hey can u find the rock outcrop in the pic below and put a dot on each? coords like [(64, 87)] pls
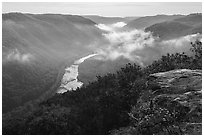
[(178, 81), (179, 90)]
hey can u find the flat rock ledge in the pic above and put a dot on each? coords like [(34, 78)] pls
[(183, 87)]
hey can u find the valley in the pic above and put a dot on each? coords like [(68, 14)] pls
[(51, 41), (88, 74)]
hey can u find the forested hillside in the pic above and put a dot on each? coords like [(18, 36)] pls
[(143, 22), (190, 24), (35, 50), (131, 101)]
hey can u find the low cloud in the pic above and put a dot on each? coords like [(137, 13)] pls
[(119, 25), (111, 27), (140, 46), (104, 27), (15, 55)]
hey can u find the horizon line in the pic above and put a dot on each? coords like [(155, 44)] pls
[(97, 14)]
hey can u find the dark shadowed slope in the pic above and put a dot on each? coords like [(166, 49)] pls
[(190, 24), (35, 50), (146, 21)]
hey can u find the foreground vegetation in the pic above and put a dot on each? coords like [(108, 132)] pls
[(111, 105)]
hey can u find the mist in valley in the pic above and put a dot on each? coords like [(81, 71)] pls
[(130, 46), (93, 70)]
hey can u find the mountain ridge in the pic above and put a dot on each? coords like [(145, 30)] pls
[(146, 21), (190, 24)]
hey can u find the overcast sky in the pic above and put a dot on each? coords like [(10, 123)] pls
[(104, 9)]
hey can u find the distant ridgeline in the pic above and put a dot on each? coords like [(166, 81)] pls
[(190, 24)]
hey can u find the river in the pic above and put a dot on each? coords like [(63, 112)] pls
[(69, 80)]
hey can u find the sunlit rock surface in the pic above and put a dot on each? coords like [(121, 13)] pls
[(181, 88), (179, 81)]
